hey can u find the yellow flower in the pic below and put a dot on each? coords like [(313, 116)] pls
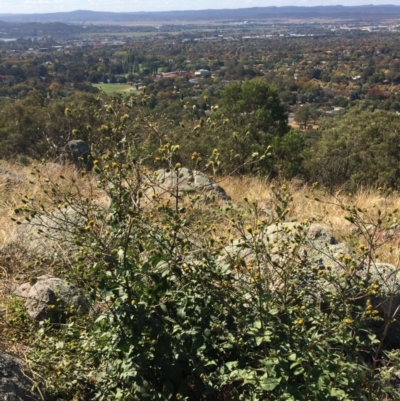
[(347, 320), (300, 321), (133, 302), (249, 228)]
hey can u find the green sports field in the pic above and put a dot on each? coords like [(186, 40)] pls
[(116, 88)]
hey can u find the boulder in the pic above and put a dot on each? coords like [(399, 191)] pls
[(14, 384), (52, 298), (183, 181), (48, 233), (317, 243), (9, 178), (78, 153)]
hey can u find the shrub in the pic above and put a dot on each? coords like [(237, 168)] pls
[(194, 301), (355, 150)]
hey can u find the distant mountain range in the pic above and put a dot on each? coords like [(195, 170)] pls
[(370, 12)]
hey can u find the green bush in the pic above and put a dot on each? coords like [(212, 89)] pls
[(176, 319), (359, 149)]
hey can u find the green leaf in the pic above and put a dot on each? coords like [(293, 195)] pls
[(226, 269), (338, 393), (292, 357), (232, 365), (269, 383), (298, 371), (257, 324), (259, 341)]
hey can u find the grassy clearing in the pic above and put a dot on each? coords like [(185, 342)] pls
[(116, 88)]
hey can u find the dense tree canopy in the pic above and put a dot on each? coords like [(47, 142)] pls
[(255, 118), (361, 148), (255, 106)]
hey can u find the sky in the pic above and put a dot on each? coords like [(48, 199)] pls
[(49, 6)]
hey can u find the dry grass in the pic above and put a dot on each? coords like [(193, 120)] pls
[(304, 205), (307, 203), (315, 204)]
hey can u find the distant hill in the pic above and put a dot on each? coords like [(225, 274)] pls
[(370, 12)]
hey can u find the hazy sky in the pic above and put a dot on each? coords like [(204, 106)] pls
[(48, 6)]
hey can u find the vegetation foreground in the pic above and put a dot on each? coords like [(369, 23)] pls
[(195, 298)]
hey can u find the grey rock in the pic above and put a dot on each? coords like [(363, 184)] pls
[(52, 298), (14, 384), (183, 181), (78, 153), (316, 242), (9, 178), (23, 290), (48, 233)]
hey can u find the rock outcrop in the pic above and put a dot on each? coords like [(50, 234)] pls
[(14, 384), (78, 153), (9, 178), (49, 233), (184, 181), (53, 299)]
